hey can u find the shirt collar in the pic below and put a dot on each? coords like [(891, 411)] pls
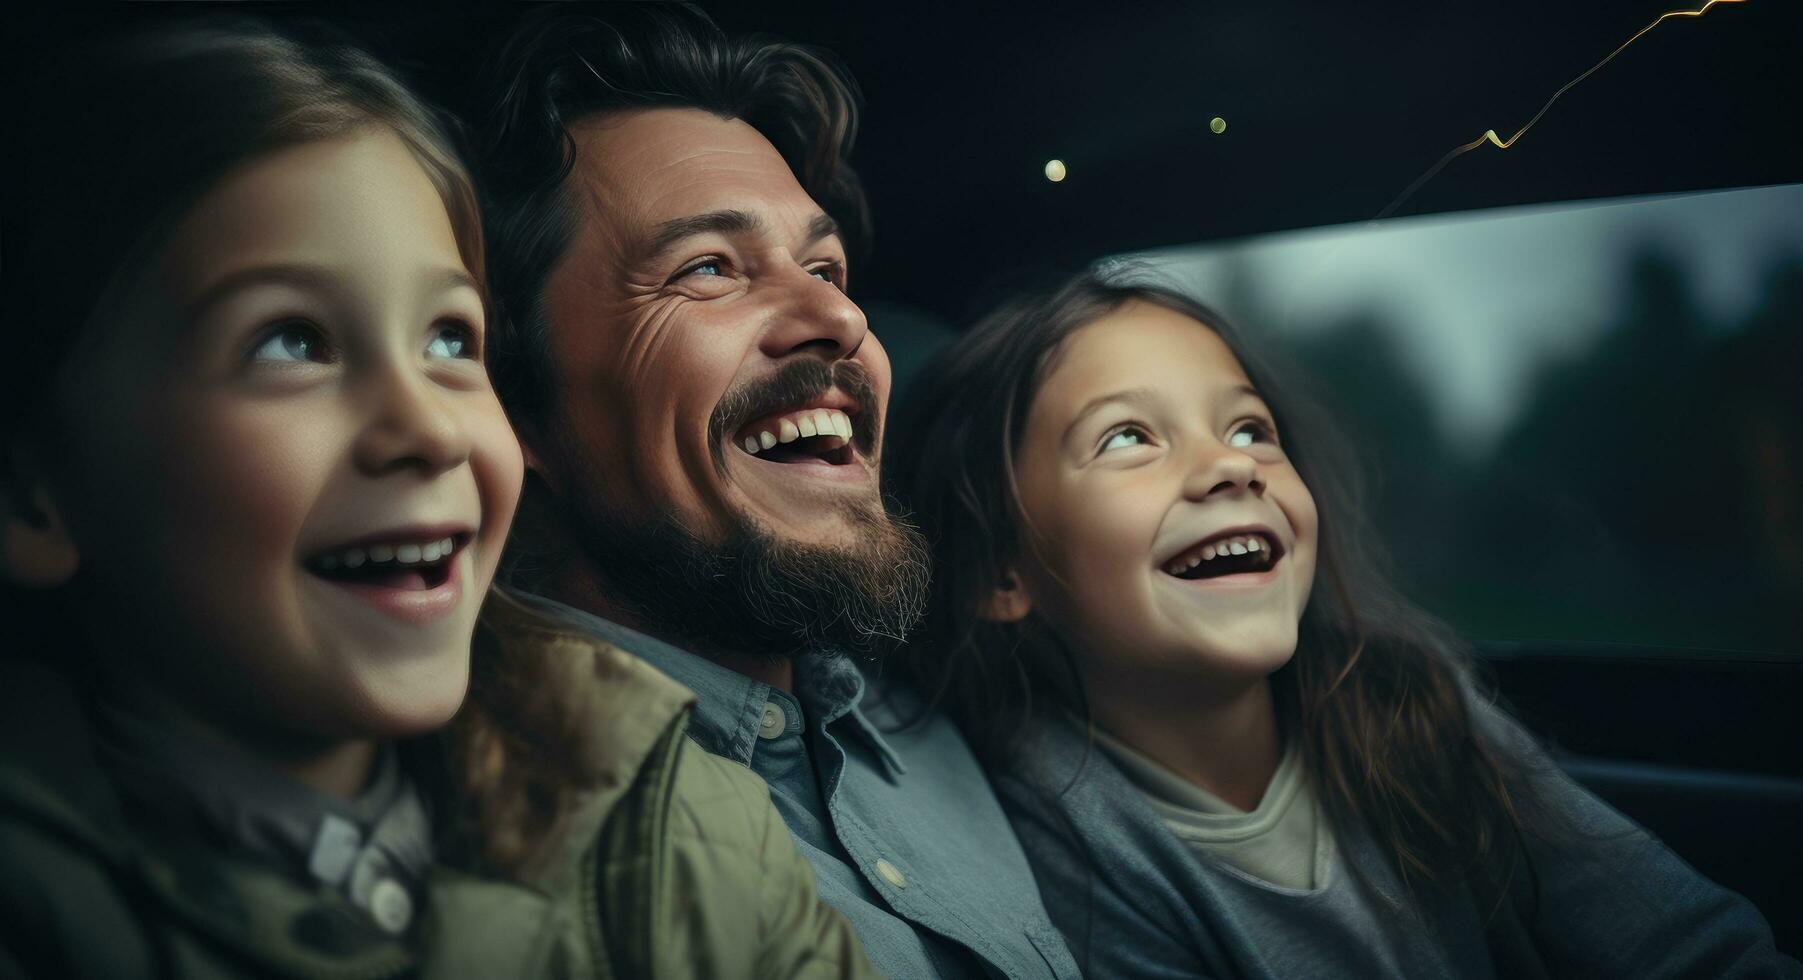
[(832, 687), (261, 811), (729, 705)]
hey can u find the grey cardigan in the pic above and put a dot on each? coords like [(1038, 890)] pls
[(1605, 900)]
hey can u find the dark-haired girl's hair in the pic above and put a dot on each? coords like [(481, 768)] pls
[(1377, 690)]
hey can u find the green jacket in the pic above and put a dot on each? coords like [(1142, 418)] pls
[(668, 862)]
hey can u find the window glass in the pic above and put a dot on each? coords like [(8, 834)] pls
[(1584, 420)]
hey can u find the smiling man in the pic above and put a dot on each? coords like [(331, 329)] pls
[(671, 215)]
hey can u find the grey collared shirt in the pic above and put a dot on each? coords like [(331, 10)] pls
[(903, 832), (376, 849)]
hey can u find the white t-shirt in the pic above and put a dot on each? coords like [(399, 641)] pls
[(1285, 841)]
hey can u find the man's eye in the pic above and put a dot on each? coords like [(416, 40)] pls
[(452, 339), (293, 341), (1121, 438), (833, 273), (706, 267)]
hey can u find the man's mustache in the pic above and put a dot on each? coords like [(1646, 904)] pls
[(791, 386)]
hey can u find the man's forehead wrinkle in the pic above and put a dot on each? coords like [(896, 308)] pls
[(725, 221), (598, 231)]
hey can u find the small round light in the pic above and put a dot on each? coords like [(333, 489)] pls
[(1054, 170), (1217, 125)]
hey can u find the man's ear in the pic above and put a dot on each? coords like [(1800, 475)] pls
[(36, 548), (1009, 603)]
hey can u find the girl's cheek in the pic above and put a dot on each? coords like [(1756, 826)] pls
[(500, 469), (1121, 517), (240, 482)]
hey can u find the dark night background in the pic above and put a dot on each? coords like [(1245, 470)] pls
[(1628, 549), (1332, 110)]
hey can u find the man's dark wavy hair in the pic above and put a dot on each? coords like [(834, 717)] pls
[(561, 68)]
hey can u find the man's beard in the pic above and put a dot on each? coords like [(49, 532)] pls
[(757, 594)]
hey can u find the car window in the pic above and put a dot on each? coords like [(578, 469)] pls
[(1584, 419)]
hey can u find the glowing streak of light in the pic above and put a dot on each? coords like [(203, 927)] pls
[(1502, 144)]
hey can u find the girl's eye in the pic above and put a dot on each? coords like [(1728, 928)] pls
[(452, 339), (293, 341), (1121, 438), (1250, 434)]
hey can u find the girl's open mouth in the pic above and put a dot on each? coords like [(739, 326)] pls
[(408, 565), (1233, 554)]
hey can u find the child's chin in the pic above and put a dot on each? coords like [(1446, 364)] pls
[(404, 714), (1249, 655), (397, 699)]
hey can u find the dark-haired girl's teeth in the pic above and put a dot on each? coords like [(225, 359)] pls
[(1243, 544)]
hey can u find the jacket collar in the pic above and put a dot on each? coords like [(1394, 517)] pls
[(52, 780), (624, 709)]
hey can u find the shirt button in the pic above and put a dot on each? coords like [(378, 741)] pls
[(390, 905), (891, 873), (773, 722)]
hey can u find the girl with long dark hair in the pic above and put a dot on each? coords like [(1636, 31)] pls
[(1228, 746)]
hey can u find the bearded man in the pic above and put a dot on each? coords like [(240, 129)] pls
[(671, 219)]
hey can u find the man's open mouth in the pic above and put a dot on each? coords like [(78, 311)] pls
[(801, 435), (1240, 553), (410, 564)]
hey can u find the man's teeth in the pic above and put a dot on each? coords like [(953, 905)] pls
[(1242, 545), (800, 425), (409, 553)]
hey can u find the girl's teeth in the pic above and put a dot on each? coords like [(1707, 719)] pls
[(1243, 545), (400, 554)]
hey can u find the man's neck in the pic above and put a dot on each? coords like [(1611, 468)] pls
[(581, 588)]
